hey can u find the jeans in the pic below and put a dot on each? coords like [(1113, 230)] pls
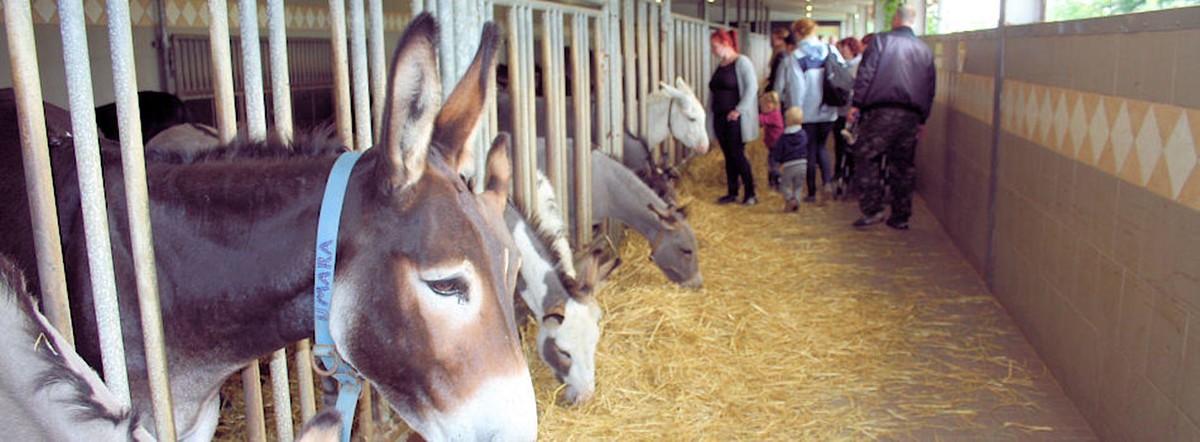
[(818, 156)]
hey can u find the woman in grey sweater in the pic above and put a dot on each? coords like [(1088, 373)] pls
[(734, 113)]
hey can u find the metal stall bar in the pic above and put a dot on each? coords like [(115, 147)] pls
[(643, 67), (252, 87), (222, 70), (120, 36), (616, 88), (600, 78), (524, 156), (358, 72), (377, 61), (580, 91), (653, 61), (552, 70), (628, 25), (341, 74)]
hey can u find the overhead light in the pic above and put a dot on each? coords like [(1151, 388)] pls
[(808, 14), (808, 8)]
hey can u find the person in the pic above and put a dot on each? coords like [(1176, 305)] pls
[(783, 43), (734, 118), (843, 163), (772, 125), (894, 92), (791, 153), (801, 86)]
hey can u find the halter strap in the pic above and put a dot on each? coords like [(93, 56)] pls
[(349, 381)]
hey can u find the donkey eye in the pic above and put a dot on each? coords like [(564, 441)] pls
[(563, 355), (448, 287), (686, 251)]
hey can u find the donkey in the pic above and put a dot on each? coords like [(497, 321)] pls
[(420, 304), (562, 302), (48, 391), (159, 110)]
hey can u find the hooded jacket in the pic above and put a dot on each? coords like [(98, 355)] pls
[(897, 70), (799, 82), (793, 145)]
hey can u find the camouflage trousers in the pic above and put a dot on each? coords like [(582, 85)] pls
[(890, 133)]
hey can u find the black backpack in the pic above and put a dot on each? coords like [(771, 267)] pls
[(838, 84)]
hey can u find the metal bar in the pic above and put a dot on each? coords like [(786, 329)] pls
[(993, 178), (120, 37), (35, 156), (446, 60), (222, 70), (281, 94), (304, 377), (493, 124), (91, 188), (256, 425), (531, 123), (654, 62), (358, 71), (252, 87), (377, 61), (643, 68), (628, 26), (551, 73), (341, 74), (281, 396), (583, 130), (517, 96), (615, 86)]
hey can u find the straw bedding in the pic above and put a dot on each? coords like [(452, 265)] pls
[(804, 330)]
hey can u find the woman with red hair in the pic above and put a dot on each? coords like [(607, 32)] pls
[(734, 118)]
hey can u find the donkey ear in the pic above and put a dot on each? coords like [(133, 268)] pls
[(499, 174), (461, 116), (414, 94), (683, 86), (670, 90)]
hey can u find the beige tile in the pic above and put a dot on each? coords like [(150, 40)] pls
[(1133, 321), (1110, 277), (1164, 358), (1187, 68), (1095, 52), (1160, 181), (1141, 73), (1118, 375), (1151, 413), (1131, 224), (1189, 399)]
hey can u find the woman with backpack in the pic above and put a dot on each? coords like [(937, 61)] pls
[(801, 84)]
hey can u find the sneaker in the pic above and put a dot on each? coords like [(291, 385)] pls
[(869, 220), (791, 206), (810, 199), (750, 201), (827, 192), (896, 224), (727, 199)]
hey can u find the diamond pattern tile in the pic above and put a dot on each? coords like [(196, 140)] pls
[(1031, 113), (1180, 155), (1122, 136), (1148, 146), (43, 11), (1045, 120), (1079, 126), (1098, 130), (1061, 122), (93, 9)]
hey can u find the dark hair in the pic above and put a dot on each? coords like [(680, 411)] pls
[(728, 38), (856, 47)]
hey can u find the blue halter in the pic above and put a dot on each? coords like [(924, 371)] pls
[(349, 382)]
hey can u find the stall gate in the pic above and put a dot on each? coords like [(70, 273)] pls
[(619, 52)]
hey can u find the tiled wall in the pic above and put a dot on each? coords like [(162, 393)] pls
[(1096, 246), (303, 14)]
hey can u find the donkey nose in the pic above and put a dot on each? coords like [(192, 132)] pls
[(702, 148), (694, 283), (582, 398)]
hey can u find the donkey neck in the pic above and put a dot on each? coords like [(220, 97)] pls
[(625, 197), (658, 108), (253, 293)]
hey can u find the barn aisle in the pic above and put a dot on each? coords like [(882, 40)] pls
[(807, 329)]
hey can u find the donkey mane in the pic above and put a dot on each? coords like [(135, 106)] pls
[(321, 141), (82, 399), (548, 223)]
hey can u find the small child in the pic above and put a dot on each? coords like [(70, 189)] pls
[(772, 123), (791, 153)]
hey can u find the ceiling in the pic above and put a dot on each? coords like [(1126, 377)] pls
[(787, 10)]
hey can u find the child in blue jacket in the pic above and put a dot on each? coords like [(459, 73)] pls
[(791, 153)]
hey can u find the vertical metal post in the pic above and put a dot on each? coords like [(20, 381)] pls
[(554, 92), (616, 119), (341, 74), (531, 123), (252, 87), (997, 114), (377, 62), (654, 62), (583, 129), (282, 107), (222, 70), (518, 83), (628, 24), (358, 71), (91, 188), (643, 71), (120, 36)]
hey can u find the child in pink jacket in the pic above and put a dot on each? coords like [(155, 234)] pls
[(771, 121)]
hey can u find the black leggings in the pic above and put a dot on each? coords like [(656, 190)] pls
[(818, 156), (729, 135)]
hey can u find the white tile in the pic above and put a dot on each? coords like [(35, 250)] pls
[(1180, 152), (1045, 117), (1061, 121), (1079, 126), (1148, 145), (189, 14), (136, 11), (1098, 131), (43, 11), (172, 13), (1031, 114), (1122, 137), (93, 9)]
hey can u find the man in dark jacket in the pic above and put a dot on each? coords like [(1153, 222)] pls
[(894, 92)]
